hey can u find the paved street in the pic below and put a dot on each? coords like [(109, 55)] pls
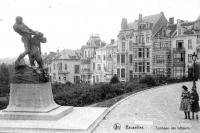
[(155, 110)]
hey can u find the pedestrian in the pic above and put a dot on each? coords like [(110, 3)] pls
[(194, 103), (185, 102)]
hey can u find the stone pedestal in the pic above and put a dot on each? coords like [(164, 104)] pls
[(32, 109), (33, 102)]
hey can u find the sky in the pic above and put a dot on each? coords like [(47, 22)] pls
[(67, 24)]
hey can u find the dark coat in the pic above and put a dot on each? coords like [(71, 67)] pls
[(194, 102)]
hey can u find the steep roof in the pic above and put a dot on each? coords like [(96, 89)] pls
[(152, 19), (69, 54)]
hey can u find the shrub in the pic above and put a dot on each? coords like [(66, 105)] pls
[(149, 80), (114, 79)]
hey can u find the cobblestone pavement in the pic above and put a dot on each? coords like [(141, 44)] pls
[(151, 111)]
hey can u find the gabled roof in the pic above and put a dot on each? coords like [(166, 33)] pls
[(152, 19), (69, 54)]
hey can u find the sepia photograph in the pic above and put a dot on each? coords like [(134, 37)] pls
[(99, 66)]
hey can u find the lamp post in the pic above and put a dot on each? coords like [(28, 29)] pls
[(194, 57)]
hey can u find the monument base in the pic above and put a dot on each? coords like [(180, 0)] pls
[(54, 114), (81, 119), (32, 109)]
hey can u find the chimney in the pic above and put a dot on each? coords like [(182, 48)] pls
[(140, 17), (112, 41), (171, 20), (124, 24)]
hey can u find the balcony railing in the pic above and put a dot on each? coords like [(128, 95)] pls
[(63, 72), (178, 49)]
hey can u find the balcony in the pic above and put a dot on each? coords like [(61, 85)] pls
[(179, 49), (63, 72)]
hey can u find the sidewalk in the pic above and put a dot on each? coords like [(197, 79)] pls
[(155, 110)]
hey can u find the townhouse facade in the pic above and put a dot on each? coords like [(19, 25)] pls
[(88, 53), (134, 55), (173, 47), (150, 45), (162, 50), (65, 67), (104, 63), (184, 44)]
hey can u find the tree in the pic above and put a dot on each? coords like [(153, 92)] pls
[(4, 74), (149, 80), (4, 79), (114, 79), (191, 71)]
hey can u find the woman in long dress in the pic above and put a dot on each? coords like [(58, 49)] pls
[(185, 102)]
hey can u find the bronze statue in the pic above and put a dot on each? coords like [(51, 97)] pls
[(26, 34), (31, 40), (35, 50)]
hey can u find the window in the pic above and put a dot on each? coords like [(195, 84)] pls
[(123, 46), (189, 58), (148, 52), (118, 58), (60, 66), (179, 44), (65, 66), (182, 56), (130, 45), (99, 57), (130, 58), (148, 67), (147, 38), (76, 69), (130, 75), (140, 53), (54, 76), (99, 67), (142, 38), (140, 67), (122, 58), (160, 59), (122, 73), (190, 44), (118, 72)]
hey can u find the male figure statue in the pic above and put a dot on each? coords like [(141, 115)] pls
[(26, 34), (35, 50)]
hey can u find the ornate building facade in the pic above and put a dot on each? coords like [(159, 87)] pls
[(184, 44), (134, 55), (65, 67), (104, 63), (88, 53), (162, 50)]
